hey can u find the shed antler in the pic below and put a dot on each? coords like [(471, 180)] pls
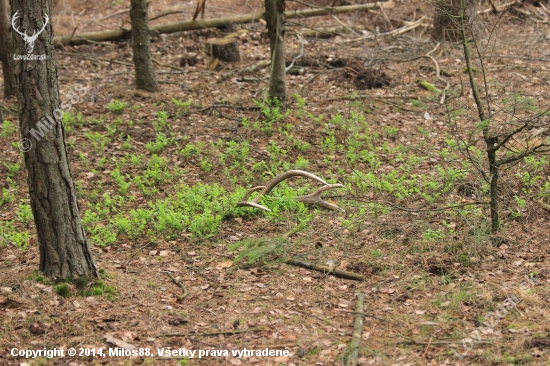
[(314, 198)]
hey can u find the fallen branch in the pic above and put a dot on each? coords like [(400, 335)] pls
[(328, 270), (357, 330), (180, 285), (115, 34)]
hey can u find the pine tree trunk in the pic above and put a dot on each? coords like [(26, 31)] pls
[(6, 51), (146, 79), (275, 19), (64, 250), (447, 21)]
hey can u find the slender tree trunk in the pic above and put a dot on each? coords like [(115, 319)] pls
[(64, 250), (275, 19), (494, 174), (146, 79), (6, 51), (491, 142)]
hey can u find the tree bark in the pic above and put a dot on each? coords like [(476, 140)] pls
[(6, 52), (64, 250), (146, 79), (225, 49), (275, 19), (447, 19)]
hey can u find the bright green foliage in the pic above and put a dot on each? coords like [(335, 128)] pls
[(8, 129), (100, 288), (10, 234), (62, 290), (24, 213), (116, 107)]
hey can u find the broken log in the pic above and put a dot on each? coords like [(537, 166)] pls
[(115, 34), (224, 49)]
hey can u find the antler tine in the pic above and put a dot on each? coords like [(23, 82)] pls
[(253, 204), (291, 173), (315, 197), (250, 191)]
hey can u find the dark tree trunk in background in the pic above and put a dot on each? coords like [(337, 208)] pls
[(6, 50), (146, 79), (447, 20), (64, 250), (275, 19)]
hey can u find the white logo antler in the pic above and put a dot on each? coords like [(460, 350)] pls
[(29, 41)]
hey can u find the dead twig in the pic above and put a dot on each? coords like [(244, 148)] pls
[(327, 270), (180, 285)]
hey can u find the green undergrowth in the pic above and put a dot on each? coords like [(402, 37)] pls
[(100, 288), (171, 185)]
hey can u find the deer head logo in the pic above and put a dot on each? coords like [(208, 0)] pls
[(29, 40)]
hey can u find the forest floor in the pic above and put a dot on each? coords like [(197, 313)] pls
[(158, 177)]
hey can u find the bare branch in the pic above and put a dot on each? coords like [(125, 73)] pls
[(507, 137), (535, 150)]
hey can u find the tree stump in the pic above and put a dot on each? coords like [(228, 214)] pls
[(224, 49)]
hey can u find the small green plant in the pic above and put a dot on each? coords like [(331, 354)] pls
[(390, 131), (161, 124), (161, 142), (12, 168), (433, 234), (8, 129), (116, 107), (9, 234), (62, 290), (100, 288), (97, 139), (24, 213), (206, 165), (182, 106), (7, 197)]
